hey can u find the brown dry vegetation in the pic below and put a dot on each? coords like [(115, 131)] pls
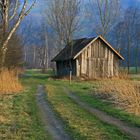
[(122, 93), (9, 82)]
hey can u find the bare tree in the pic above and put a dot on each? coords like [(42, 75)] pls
[(14, 55), (9, 11), (44, 50), (126, 35), (119, 31), (63, 19), (104, 12), (137, 46), (45, 55), (130, 22), (24, 31)]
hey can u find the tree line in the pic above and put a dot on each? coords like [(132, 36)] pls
[(12, 12), (63, 21)]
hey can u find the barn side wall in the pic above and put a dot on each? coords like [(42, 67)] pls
[(63, 67), (97, 60)]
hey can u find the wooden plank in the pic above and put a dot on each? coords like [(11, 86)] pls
[(108, 63), (90, 51), (77, 68), (104, 42), (85, 47), (111, 47), (112, 55)]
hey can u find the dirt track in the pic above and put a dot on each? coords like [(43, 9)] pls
[(52, 125), (55, 127), (123, 126)]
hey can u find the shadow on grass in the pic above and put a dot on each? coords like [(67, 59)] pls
[(37, 75)]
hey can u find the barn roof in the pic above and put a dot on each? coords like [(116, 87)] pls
[(72, 51)]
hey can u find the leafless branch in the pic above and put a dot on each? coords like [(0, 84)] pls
[(30, 8), (63, 18), (105, 12), (14, 11), (8, 31)]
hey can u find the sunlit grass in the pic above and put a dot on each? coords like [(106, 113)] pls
[(19, 111), (19, 118), (79, 122), (86, 92)]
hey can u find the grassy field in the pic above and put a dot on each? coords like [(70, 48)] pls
[(20, 119), (132, 70), (70, 113), (84, 89), (79, 122)]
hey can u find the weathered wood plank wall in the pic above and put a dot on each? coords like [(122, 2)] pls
[(97, 60)]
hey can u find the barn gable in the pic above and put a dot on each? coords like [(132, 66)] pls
[(79, 45), (107, 45), (91, 57), (71, 50)]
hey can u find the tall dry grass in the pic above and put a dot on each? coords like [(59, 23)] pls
[(9, 82), (123, 93)]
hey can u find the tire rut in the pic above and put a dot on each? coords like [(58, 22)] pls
[(50, 121), (121, 125)]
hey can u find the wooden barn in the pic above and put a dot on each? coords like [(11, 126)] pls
[(90, 57)]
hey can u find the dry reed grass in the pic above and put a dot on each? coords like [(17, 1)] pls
[(123, 93), (123, 74), (9, 82)]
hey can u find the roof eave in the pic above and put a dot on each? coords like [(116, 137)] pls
[(105, 42), (84, 48), (111, 47)]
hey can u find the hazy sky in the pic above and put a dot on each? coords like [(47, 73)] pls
[(35, 18), (37, 12), (41, 4)]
